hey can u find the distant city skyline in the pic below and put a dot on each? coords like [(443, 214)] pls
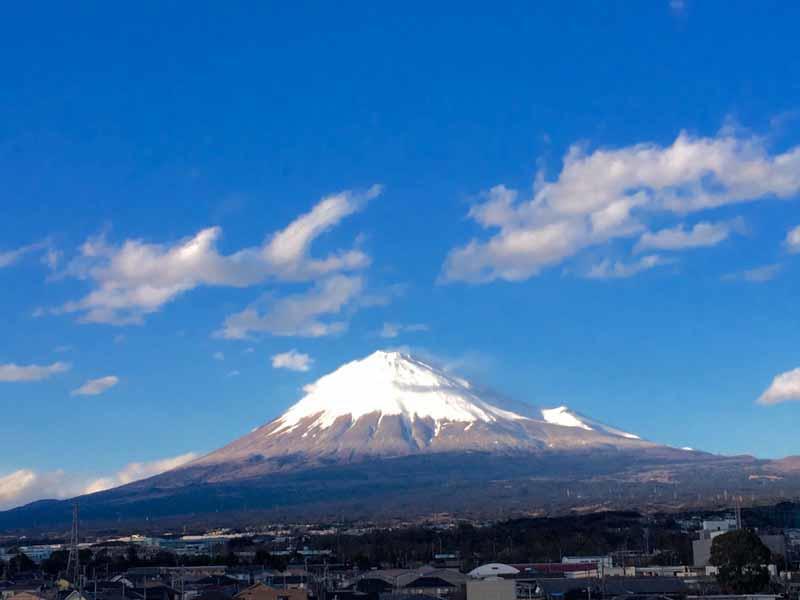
[(592, 206)]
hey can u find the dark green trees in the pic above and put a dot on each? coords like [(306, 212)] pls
[(741, 558)]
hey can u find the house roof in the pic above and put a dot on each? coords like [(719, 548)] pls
[(217, 580), (26, 596), (616, 586), (493, 569), (429, 582), (260, 591), (408, 597), (403, 577), (645, 585), (213, 595)]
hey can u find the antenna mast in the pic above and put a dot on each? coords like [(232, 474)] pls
[(74, 561)]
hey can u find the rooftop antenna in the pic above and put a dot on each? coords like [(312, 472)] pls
[(74, 560)]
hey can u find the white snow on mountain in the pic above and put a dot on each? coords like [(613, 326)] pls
[(562, 416), (565, 417), (393, 383)]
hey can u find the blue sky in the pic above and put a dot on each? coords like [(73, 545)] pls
[(591, 204)]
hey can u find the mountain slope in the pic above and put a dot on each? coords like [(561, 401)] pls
[(391, 404), (563, 416), (392, 435)]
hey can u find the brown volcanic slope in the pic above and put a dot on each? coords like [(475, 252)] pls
[(392, 435), (392, 405)]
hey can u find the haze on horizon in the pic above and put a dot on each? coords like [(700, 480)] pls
[(201, 216)]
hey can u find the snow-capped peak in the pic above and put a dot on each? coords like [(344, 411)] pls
[(392, 404), (391, 383), (396, 384)]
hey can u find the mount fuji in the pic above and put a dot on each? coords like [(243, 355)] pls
[(391, 404), (392, 435)]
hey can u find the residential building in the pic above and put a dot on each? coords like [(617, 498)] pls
[(259, 591), (492, 589)]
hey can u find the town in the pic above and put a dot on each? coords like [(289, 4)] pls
[(600, 555)]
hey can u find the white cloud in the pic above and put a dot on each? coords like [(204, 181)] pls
[(137, 471), (701, 235), (11, 257), (94, 387), (793, 240), (14, 485), (393, 330), (467, 362), (760, 274), (298, 314), (607, 194), (218, 356), (234, 373), (52, 258), (677, 6), (25, 485), (390, 330), (784, 388), (607, 269), (136, 278), (292, 360), (12, 372)]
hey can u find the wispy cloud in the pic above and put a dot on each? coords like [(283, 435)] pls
[(52, 258), (15, 373), (26, 485), (784, 388), (11, 257), (792, 241), (135, 278), (393, 330), (612, 194), (307, 314), (137, 471), (678, 7), (18, 488), (95, 387), (701, 235), (466, 362), (292, 360), (608, 269), (760, 274)]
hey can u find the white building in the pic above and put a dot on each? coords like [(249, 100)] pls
[(493, 570), (40, 553), (721, 525), (606, 562), (492, 589)]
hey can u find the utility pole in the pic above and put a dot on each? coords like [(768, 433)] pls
[(74, 560)]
